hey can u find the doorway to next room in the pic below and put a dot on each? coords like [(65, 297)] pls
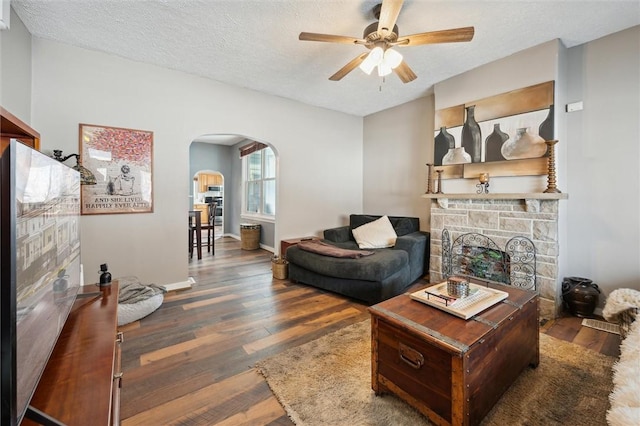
[(208, 198)]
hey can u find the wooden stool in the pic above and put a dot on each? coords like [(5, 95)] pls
[(195, 227)]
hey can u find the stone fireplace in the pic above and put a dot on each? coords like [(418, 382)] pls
[(502, 217)]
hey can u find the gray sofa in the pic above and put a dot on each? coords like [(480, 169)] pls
[(386, 273)]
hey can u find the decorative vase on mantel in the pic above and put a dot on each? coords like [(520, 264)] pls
[(456, 156), (443, 142), (471, 137), (493, 144)]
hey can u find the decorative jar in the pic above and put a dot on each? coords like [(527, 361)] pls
[(580, 296), (457, 287)]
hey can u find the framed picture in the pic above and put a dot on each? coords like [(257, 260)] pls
[(122, 162), (503, 135)]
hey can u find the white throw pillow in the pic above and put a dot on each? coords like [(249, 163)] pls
[(376, 234)]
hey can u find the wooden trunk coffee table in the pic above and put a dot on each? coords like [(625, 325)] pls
[(452, 370)]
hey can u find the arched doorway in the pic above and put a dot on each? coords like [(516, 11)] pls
[(221, 153)]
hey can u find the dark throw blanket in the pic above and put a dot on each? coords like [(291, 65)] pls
[(325, 249)]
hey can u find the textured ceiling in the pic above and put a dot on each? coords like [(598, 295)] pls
[(254, 44)]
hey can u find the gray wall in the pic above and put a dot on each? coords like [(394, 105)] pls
[(15, 69), (396, 151), (178, 108), (602, 163)]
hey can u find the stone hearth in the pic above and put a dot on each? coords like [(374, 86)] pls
[(501, 217)]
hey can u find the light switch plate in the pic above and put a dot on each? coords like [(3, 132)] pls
[(574, 106)]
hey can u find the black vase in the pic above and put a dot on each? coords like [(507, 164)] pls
[(442, 143), (471, 137), (580, 296), (546, 127), (493, 144)]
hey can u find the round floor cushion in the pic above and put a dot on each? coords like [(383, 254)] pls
[(137, 300), (130, 312)]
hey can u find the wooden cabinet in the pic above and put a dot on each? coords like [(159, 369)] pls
[(207, 179), (11, 127), (81, 382)]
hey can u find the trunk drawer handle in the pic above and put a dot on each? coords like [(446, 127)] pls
[(410, 356)]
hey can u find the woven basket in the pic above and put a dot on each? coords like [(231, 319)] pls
[(250, 237), (280, 269)]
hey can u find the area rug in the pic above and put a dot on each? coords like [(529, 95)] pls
[(328, 382)]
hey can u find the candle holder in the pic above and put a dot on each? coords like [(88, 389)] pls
[(439, 190), (429, 178), (483, 186), (551, 173)]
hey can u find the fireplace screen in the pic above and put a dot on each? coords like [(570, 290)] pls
[(478, 256)]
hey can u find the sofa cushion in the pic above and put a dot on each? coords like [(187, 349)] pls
[(401, 224), (380, 265), (376, 234), (356, 220)]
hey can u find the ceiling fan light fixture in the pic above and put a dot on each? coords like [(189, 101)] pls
[(380, 36), (392, 58), (372, 60), (384, 69)]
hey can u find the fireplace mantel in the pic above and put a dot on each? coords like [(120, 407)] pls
[(531, 199), (498, 196)]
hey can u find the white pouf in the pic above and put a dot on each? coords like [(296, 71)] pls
[(130, 312), (130, 291)]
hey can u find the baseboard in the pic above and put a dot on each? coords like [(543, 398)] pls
[(180, 285)]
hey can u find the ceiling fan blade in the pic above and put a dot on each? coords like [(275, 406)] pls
[(405, 73), (445, 36), (388, 16), (329, 38), (353, 64)]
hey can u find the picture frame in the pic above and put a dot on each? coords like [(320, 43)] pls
[(501, 120), (121, 159)]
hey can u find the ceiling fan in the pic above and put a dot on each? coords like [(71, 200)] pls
[(381, 36)]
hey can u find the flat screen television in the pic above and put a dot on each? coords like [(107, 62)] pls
[(39, 267)]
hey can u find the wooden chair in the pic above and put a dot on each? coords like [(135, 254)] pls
[(195, 233), (210, 228)]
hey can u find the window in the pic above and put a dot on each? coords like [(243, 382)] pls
[(259, 181)]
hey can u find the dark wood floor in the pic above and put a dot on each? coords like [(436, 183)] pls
[(189, 363)]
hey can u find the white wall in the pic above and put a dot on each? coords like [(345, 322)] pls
[(398, 143), (604, 153), (15, 69), (320, 151)]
